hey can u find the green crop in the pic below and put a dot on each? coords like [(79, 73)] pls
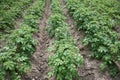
[(98, 18), (66, 56), (15, 56)]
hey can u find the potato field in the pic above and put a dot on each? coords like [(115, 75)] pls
[(59, 40)]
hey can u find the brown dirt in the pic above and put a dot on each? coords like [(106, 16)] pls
[(117, 29), (90, 69), (39, 59), (1, 44)]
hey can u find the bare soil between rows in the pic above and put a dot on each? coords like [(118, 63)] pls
[(39, 60)]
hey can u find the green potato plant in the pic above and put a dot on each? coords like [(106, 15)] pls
[(66, 56), (15, 55), (98, 18)]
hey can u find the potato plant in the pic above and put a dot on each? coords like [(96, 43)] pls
[(66, 56), (56, 7), (55, 21), (98, 18), (15, 56), (13, 11), (33, 14), (65, 60)]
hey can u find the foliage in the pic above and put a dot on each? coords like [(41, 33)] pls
[(10, 11), (55, 21), (33, 14), (31, 20), (66, 56), (15, 56), (55, 7), (98, 18), (65, 60)]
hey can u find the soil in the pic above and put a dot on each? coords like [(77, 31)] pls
[(90, 69), (117, 29), (39, 60)]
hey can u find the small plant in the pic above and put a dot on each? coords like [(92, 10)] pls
[(55, 21), (65, 60), (15, 57), (31, 20), (56, 8), (62, 33)]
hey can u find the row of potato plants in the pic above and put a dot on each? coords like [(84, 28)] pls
[(66, 56), (98, 18), (6, 4), (10, 11), (15, 56)]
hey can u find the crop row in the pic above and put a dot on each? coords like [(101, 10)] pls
[(15, 56), (66, 56), (98, 18), (10, 11), (6, 4)]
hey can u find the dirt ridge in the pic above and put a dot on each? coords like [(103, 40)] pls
[(39, 59)]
